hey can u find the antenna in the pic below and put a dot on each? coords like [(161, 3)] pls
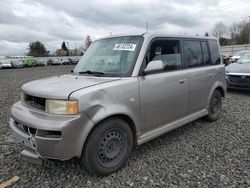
[(146, 26)]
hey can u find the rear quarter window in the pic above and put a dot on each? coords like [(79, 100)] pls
[(215, 52)]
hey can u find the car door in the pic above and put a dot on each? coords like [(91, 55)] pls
[(197, 61), (163, 95)]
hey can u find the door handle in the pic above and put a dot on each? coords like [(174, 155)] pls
[(181, 81), (210, 75)]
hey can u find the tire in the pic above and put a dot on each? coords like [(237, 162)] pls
[(108, 147), (214, 108)]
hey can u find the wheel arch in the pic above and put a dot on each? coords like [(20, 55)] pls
[(123, 117), (217, 86), (221, 90)]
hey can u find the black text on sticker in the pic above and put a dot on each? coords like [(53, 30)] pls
[(124, 46)]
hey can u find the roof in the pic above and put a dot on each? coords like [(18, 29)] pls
[(154, 35)]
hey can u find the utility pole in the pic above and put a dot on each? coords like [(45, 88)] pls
[(146, 26), (75, 49), (248, 24)]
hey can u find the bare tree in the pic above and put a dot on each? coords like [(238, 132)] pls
[(88, 42), (240, 32), (219, 30)]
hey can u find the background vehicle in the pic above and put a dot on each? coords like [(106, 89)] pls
[(17, 64), (29, 63), (73, 60), (41, 62), (125, 91), (237, 56), (5, 65), (238, 74), (65, 62), (54, 61)]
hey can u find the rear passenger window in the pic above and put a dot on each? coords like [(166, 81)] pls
[(214, 51), (168, 51), (192, 54), (206, 60)]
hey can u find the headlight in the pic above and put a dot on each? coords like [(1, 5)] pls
[(61, 107)]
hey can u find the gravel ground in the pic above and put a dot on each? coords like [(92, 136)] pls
[(199, 154)]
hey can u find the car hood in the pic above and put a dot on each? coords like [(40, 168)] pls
[(5, 63), (60, 87), (238, 68), (235, 57)]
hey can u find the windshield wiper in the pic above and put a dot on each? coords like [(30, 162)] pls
[(95, 73)]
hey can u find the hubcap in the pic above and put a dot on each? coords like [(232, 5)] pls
[(112, 147)]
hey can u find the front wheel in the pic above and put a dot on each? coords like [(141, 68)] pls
[(108, 147), (214, 108)]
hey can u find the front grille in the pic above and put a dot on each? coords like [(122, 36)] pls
[(240, 80), (35, 102), (38, 132)]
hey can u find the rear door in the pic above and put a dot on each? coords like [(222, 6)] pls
[(163, 95), (197, 61)]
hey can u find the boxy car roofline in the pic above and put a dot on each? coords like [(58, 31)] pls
[(160, 35)]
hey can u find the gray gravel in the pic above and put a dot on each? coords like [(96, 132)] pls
[(199, 154)]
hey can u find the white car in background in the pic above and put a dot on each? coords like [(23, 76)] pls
[(237, 56), (5, 65)]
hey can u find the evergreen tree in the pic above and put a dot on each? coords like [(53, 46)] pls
[(37, 49), (64, 47)]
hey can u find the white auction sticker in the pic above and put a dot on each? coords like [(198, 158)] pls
[(125, 46)]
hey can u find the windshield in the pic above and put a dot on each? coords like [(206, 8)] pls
[(110, 57), (245, 58)]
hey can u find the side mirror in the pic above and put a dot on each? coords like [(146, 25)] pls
[(154, 66)]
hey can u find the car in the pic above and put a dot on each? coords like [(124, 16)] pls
[(238, 74), (65, 62), (5, 65), (29, 63), (125, 91), (237, 56), (41, 62), (17, 64), (55, 61), (73, 61), (49, 61)]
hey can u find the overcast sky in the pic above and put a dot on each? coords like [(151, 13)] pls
[(54, 21)]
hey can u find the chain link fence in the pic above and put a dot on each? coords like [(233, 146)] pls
[(233, 49)]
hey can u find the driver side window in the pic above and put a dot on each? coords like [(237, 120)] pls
[(168, 51)]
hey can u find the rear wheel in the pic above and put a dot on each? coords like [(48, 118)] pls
[(214, 108), (108, 147)]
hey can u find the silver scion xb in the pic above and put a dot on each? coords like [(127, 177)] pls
[(125, 91)]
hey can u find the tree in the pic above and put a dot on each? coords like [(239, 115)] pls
[(219, 31), (64, 47), (61, 52), (37, 49), (240, 32), (88, 42), (64, 51)]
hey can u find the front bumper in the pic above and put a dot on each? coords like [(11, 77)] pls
[(50, 136), (6, 66), (239, 86)]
